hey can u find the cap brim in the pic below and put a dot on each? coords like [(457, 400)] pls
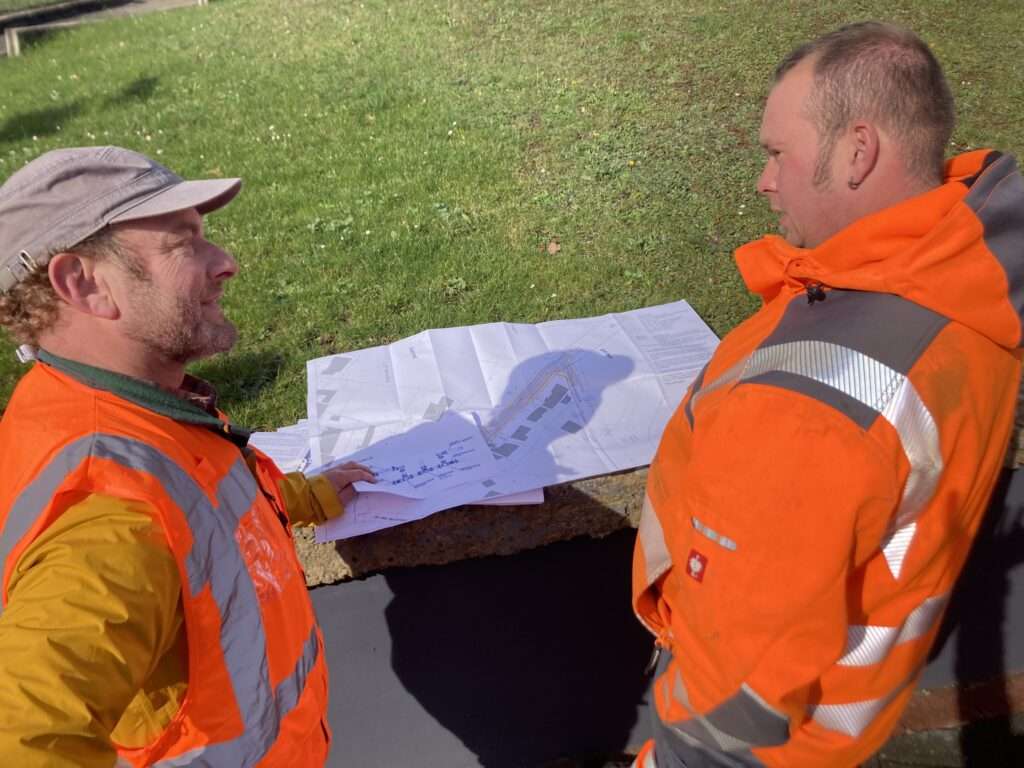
[(205, 196)]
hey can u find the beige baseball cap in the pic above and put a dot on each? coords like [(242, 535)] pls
[(64, 196)]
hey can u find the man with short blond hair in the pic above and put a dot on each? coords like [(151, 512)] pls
[(152, 608), (816, 494)]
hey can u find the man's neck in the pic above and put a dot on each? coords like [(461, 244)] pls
[(117, 355)]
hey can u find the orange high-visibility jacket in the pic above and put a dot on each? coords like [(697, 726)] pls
[(257, 685), (814, 497)]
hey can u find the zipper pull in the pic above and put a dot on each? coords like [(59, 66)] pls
[(653, 661)]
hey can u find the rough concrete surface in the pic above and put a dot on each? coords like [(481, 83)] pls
[(593, 507)]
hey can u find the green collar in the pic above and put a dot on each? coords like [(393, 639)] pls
[(145, 395)]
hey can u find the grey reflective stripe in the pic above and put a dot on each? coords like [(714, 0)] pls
[(700, 732), (36, 495), (854, 718), (748, 718), (238, 751), (997, 198), (868, 644), (694, 389), (290, 689), (853, 409), (886, 391), (652, 538), (215, 559), (884, 327), (191, 759)]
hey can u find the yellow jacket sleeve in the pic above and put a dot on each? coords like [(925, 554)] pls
[(92, 613), (309, 500)]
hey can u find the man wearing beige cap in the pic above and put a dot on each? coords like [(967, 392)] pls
[(152, 608)]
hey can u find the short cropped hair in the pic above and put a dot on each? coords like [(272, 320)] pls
[(32, 306), (884, 73)]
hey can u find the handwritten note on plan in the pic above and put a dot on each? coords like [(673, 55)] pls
[(428, 459)]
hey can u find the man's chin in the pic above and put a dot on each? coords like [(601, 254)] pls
[(220, 339)]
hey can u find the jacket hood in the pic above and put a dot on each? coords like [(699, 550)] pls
[(957, 249)]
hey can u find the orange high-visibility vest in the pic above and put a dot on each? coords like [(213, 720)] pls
[(257, 679), (815, 496)]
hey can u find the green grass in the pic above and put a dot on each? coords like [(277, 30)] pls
[(408, 164)]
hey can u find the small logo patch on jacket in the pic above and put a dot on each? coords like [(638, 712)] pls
[(696, 565)]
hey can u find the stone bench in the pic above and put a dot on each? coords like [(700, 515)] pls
[(54, 18)]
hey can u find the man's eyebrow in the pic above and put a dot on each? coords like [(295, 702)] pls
[(185, 228)]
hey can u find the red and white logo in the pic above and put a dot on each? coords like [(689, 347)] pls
[(696, 565)]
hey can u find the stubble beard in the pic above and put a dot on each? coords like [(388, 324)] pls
[(182, 335)]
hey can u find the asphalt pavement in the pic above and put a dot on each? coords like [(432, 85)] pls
[(518, 661)]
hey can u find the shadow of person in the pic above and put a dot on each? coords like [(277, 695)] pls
[(138, 90), (982, 637), (39, 122), (535, 656), (239, 376)]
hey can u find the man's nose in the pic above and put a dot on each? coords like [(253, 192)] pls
[(766, 181), (222, 264)]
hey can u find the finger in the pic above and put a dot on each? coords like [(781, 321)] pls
[(341, 477), (356, 465), (352, 475)]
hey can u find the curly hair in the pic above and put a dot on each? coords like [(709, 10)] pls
[(32, 306)]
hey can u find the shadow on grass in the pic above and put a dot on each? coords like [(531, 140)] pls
[(39, 122), (46, 122), (240, 377), (139, 90)]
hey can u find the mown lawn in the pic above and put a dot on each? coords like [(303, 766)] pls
[(418, 164)]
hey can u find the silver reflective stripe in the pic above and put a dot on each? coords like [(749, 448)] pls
[(652, 538), (888, 392), (852, 719), (712, 534), (726, 378), (867, 644), (895, 547), (647, 762), (214, 559)]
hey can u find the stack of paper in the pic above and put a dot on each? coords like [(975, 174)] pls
[(489, 412)]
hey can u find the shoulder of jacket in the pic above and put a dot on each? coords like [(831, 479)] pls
[(852, 351)]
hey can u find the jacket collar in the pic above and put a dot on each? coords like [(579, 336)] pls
[(182, 406), (930, 249)]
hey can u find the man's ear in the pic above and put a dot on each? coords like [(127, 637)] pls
[(865, 146), (81, 286)]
